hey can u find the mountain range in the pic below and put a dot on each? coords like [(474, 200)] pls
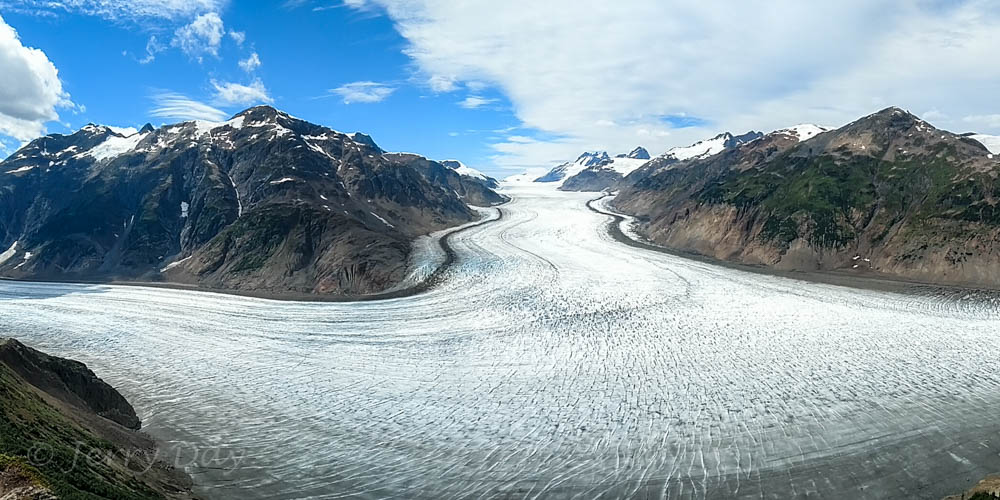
[(888, 194), (264, 202)]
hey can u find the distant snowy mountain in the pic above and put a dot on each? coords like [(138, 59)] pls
[(567, 170), (638, 153), (606, 173), (710, 147)]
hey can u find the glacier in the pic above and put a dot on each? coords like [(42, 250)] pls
[(550, 362)]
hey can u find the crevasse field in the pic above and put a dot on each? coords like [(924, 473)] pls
[(552, 362)]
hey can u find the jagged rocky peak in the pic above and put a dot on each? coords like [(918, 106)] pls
[(589, 159), (147, 128), (638, 153), (365, 139), (736, 140)]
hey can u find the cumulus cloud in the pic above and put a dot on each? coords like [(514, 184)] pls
[(201, 37), (233, 94), (238, 36), (473, 102), (250, 63), (363, 92), (612, 74), (173, 106), (30, 89)]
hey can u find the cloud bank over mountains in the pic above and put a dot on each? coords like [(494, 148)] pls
[(613, 75)]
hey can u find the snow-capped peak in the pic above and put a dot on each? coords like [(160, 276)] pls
[(462, 169), (589, 159), (639, 153), (803, 132), (700, 149)]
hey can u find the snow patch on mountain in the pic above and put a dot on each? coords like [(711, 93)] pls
[(10, 252), (462, 169), (115, 146), (992, 142), (626, 166), (804, 131), (700, 149)]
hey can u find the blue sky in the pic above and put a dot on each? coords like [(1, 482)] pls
[(304, 56), (503, 86)]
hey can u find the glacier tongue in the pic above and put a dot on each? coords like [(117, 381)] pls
[(551, 361)]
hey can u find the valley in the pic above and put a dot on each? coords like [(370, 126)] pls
[(550, 360)]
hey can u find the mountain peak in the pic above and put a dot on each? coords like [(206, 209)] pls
[(365, 139), (639, 153), (589, 159), (262, 109), (146, 128)]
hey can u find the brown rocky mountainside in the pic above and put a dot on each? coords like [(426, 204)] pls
[(65, 433), (264, 202), (888, 194)]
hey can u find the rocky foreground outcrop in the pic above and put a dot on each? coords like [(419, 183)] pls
[(65, 433), (264, 202), (887, 194)]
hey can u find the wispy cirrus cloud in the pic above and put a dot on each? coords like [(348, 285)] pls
[(126, 9), (174, 106), (473, 102), (363, 92)]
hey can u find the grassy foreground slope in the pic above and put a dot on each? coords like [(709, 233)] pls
[(53, 443)]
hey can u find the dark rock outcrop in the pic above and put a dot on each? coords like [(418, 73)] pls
[(61, 435), (69, 381)]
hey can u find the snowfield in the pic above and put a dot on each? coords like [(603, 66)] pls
[(551, 362)]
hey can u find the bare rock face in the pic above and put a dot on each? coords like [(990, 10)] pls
[(201, 203), (886, 194)]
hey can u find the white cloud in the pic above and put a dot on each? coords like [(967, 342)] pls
[(232, 94), (174, 106), (605, 76), (473, 102), (440, 83), (30, 89), (238, 36), (985, 121), (128, 9), (202, 37), (363, 92), (250, 63), (153, 47)]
